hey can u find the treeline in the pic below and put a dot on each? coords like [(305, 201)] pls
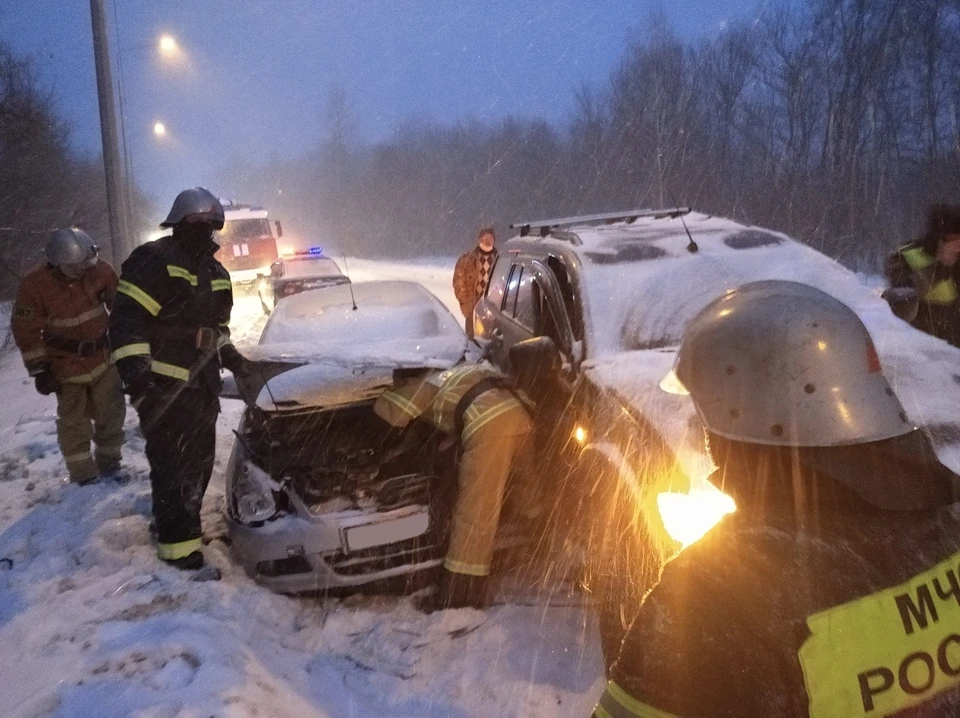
[(43, 184), (836, 122)]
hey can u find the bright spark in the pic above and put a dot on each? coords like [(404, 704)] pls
[(687, 517)]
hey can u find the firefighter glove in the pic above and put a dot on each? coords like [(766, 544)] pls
[(235, 362), (46, 382), (135, 374)]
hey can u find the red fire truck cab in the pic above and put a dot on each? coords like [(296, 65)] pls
[(247, 244)]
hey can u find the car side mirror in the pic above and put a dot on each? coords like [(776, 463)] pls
[(904, 302), (279, 228), (534, 362)]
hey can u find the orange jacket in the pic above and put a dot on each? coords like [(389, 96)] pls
[(51, 306)]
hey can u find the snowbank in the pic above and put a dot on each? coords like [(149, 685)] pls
[(91, 624)]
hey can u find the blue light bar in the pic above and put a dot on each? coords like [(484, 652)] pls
[(312, 252)]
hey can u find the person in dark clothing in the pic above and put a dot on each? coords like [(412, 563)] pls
[(170, 334), (471, 275), (832, 590), (929, 266)]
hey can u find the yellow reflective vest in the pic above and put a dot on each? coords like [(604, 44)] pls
[(860, 618)]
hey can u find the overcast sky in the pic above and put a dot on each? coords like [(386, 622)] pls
[(254, 75)]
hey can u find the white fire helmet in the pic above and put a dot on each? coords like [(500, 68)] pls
[(72, 251), (785, 364), (195, 205)]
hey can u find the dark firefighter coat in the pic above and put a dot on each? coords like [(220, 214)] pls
[(62, 322), (760, 618), (939, 309), (173, 306)]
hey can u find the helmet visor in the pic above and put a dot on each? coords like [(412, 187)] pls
[(75, 269), (672, 385)]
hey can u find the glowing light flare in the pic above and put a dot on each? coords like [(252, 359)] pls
[(687, 517), (580, 434), (168, 45), (159, 129)]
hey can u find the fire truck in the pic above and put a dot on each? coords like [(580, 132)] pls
[(247, 244)]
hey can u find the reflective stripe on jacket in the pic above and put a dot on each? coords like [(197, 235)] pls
[(923, 267), (617, 703), (401, 404), (436, 396), (454, 383), (174, 306), (52, 306)]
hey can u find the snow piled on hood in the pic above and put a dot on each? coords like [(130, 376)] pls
[(92, 624)]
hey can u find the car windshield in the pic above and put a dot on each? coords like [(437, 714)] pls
[(307, 267), (240, 229), (387, 322)]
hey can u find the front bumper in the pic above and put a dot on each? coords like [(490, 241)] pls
[(349, 550)]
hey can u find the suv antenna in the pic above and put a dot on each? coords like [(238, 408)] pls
[(346, 270), (692, 246)]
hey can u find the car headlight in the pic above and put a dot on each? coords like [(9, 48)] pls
[(254, 494)]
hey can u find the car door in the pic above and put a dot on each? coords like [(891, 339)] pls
[(495, 317)]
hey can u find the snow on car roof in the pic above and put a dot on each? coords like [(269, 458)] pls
[(394, 323), (641, 286), (307, 267)]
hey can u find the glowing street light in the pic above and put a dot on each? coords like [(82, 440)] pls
[(168, 45), (168, 48)]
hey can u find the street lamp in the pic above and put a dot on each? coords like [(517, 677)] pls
[(168, 45), (168, 48)]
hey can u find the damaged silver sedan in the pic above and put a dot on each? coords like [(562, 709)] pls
[(310, 503)]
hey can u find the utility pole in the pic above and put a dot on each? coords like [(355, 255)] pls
[(119, 234)]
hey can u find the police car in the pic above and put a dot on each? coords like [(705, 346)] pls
[(301, 271)]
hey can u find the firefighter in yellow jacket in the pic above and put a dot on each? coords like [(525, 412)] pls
[(474, 404), (931, 267), (60, 326)]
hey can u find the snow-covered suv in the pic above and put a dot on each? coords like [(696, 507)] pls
[(611, 294)]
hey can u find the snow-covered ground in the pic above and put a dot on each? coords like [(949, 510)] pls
[(92, 624)]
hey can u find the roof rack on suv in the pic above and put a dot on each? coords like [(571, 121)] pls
[(547, 225)]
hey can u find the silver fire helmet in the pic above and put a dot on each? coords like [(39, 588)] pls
[(72, 251), (195, 205), (784, 364)]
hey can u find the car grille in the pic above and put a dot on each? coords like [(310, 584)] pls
[(363, 491), (399, 491), (428, 547)]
